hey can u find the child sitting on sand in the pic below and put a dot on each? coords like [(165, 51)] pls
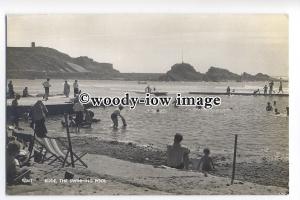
[(206, 161)]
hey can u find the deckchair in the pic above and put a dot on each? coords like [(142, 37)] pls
[(52, 148), (46, 146)]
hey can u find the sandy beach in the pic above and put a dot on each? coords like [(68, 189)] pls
[(116, 168), (119, 177)]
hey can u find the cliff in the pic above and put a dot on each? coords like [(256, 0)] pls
[(38, 62), (182, 72), (186, 72)]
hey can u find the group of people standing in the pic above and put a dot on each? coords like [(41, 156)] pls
[(67, 88), (271, 85), (12, 94), (66, 91)]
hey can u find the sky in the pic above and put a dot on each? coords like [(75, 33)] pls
[(152, 43)]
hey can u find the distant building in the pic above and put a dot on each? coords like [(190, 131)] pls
[(32, 44)]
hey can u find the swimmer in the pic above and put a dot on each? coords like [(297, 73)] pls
[(276, 111), (269, 107)]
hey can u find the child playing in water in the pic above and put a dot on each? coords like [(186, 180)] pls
[(114, 117), (206, 161)]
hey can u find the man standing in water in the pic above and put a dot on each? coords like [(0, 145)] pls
[(47, 86), (178, 156), (76, 88), (114, 117)]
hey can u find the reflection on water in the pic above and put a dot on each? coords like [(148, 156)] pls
[(261, 134)]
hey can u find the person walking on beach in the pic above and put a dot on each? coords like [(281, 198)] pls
[(114, 117), (271, 84), (177, 155), (280, 86), (78, 109), (265, 89), (269, 107), (11, 92), (66, 89), (76, 88), (15, 112), (47, 86), (206, 162), (38, 115)]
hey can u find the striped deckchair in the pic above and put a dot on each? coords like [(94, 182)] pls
[(52, 148)]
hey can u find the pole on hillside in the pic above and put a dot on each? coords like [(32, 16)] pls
[(69, 139), (234, 158)]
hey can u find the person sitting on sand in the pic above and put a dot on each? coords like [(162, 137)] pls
[(177, 155), (276, 111), (114, 117), (13, 168), (269, 107), (206, 162), (25, 92)]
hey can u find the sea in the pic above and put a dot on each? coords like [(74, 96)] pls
[(261, 134)]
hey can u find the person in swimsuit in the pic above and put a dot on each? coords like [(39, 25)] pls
[(114, 117), (177, 155), (206, 162)]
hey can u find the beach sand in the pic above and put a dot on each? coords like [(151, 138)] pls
[(131, 169), (265, 172)]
